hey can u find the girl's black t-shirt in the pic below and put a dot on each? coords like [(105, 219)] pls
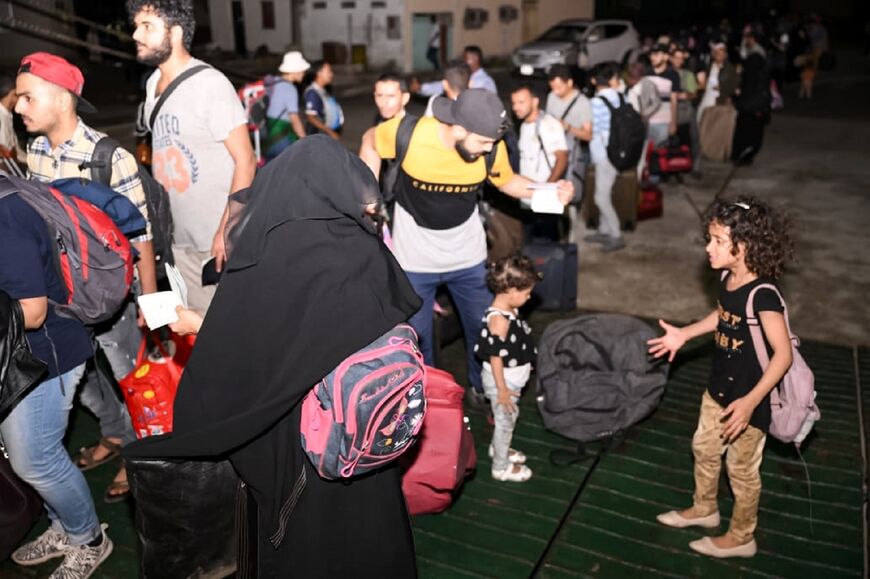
[(517, 347), (736, 369)]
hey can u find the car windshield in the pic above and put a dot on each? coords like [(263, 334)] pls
[(563, 34)]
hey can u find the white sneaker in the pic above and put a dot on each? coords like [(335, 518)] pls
[(514, 456), (47, 546), (676, 520), (81, 560), (511, 475), (705, 546)]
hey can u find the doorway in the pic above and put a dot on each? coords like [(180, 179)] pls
[(241, 44), (422, 28)]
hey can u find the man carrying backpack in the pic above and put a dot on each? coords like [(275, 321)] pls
[(49, 90), (284, 126), (437, 232), (33, 432), (606, 80)]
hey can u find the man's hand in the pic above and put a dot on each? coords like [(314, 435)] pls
[(565, 190), (189, 322), (738, 413), (219, 250)]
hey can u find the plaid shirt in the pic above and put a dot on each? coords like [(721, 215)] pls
[(46, 165)]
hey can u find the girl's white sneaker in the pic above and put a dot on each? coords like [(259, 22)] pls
[(514, 456), (509, 474)]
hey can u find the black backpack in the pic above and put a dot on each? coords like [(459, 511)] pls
[(627, 135), (595, 377), (156, 199), (390, 175)]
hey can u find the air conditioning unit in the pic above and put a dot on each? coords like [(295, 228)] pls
[(507, 13), (475, 18)]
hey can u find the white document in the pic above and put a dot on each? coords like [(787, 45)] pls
[(159, 308), (545, 199), (176, 282)]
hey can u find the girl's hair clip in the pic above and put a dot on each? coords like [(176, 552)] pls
[(741, 205)]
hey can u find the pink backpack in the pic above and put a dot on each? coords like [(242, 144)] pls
[(793, 402), (368, 410)]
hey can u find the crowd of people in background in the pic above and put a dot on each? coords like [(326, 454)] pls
[(711, 89)]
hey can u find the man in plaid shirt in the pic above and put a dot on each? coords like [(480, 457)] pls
[(49, 96)]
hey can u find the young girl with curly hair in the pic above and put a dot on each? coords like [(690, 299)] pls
[(507, 351), (749, 242)]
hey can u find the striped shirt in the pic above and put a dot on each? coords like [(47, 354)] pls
[(46, 165), (601, 122)]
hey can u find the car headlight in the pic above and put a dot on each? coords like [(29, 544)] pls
[(555, 54)]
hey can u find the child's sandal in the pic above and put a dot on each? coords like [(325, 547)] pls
[(511, 474), (514, 456)]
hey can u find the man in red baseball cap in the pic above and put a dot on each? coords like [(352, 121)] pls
[(59, 71)]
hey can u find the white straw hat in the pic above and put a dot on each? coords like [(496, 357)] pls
[(293, 62)]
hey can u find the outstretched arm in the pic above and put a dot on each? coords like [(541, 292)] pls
[(675, 337), (368, 153)]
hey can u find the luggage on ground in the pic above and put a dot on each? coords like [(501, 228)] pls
[(557, 264), (716, 132), (20, 508), (625, 199), (669, 159), (651, 202), (368, 411), (95, 260), (185, 518), (435, 468), (149, 389), (595, 377)]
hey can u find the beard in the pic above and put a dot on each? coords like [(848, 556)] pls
[(156, 56), (466, 155)]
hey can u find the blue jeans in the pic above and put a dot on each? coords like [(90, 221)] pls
[(33, 435), (119, 339), (468, 289)]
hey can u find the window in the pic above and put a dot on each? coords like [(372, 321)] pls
[(379, 4), (268, 9), (475, 18), (348, 4), (614, 30), (394, 28), (319, 6)]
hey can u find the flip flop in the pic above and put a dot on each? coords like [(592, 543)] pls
[(86, 454), (117, 491)]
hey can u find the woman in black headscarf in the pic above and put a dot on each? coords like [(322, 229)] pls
[(308, 283)]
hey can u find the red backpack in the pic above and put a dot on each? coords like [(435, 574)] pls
[(94, 259)]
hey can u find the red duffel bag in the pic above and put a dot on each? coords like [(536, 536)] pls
[(444, 452), (149, 389)]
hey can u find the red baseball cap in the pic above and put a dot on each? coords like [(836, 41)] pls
[(59, 71)]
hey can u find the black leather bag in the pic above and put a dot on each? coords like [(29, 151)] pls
[(20, 507)]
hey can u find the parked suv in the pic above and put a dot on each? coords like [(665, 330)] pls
[(578, 43)]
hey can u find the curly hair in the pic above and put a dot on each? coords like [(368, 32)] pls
[(172, 12), (763, 231), (514, 271)]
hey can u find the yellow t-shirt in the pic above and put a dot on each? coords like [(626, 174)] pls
[(437, 186)]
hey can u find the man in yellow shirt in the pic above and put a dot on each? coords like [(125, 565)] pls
[(437, 233)]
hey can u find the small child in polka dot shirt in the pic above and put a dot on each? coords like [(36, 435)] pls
[(507, 351)]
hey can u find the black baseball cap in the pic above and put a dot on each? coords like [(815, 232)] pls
[(660, 47), (476, 110)]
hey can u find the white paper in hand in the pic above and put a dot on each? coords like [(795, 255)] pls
[(159, 308), (545, 199), (176, 282)]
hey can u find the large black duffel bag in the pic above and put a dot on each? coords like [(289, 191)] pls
[(185, 517), (595, 377)]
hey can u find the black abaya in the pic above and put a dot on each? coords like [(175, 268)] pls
[(307, 284)]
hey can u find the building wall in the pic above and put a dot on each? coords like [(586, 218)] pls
[(276, 40), (352, 22), (495, 38), (18, 44)]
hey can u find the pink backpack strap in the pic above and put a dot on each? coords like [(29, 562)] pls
[(754, 323)]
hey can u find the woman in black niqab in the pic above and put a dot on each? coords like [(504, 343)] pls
[(308, 283)]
